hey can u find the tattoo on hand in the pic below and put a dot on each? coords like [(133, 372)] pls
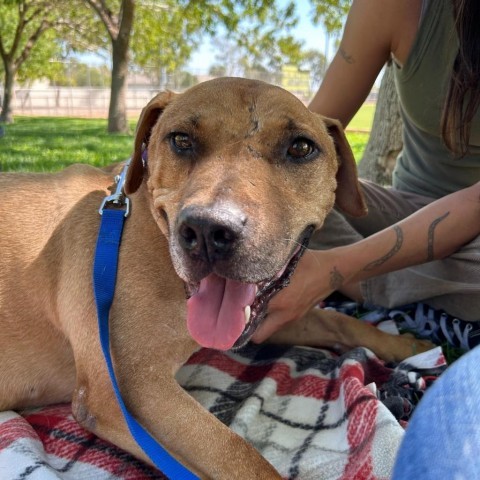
[(336, 279), (431, 230), (348, 58), (390, 254)]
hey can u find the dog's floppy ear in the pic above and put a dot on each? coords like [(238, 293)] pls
[(348, 196), (148, 118)]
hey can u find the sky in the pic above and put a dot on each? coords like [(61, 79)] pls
[(313, 36)]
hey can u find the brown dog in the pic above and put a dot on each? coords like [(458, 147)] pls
[(235, 176)]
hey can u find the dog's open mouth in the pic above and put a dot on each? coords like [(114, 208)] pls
[(223, 313)]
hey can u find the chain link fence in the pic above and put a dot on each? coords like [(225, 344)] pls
[(45, 100)]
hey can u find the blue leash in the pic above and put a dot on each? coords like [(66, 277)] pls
[(104, 278)]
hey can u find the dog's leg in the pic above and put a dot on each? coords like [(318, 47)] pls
[(331, 329), (188, 431), (146, 356)]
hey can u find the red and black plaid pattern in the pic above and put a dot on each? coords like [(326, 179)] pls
[(312, 414)]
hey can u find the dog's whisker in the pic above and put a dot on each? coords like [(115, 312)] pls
[(293, 241)]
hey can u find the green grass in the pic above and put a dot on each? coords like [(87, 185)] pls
[(358, 142), (363, 119), (44, 144), (358, 128)]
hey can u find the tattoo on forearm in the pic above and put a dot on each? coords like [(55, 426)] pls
[(390, 254), (348, 58), (336, 279), (431, 231)]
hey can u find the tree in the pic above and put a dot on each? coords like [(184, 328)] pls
[(29, 39), (263, 60), (316, 63), (23, 28), (217, 70), (385, 141), (119, 26), (331, 13), (162, 34), (73, 73)]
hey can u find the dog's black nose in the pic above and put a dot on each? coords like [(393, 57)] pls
[(209, 234)]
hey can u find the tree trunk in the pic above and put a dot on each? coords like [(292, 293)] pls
[(385, 140), (6, 115), (117, 112)]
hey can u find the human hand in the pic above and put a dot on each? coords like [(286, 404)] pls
[(310, 283)]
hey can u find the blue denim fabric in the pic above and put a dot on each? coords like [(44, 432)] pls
[(442, 440)]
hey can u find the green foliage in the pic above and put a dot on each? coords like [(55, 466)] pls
[(262, 35), (38, 65), (76, 74), (217, 70), (242, 58), (252, 34), (24, 37), (316, 63), (29, 39), (37, 30), (331, 13), (166, 33)]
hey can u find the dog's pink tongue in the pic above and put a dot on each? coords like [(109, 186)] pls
[(216, 313)]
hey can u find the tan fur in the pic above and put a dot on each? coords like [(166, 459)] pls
[(331, 329), (49, 347)]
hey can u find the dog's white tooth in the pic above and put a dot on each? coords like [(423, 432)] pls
[(248, 312)]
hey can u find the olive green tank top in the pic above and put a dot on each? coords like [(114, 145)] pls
[(425, 166)]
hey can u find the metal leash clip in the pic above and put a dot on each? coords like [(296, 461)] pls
[(118, 199)]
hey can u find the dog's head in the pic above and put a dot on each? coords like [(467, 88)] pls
[(239, 174)]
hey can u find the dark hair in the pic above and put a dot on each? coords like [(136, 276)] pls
[(463, 95)]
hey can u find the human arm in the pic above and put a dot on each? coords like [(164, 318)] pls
[(374, 30), (434, 232)]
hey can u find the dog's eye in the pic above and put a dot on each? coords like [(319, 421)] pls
[(181, 142), (301, 149)]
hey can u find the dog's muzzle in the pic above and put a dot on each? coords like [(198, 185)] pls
[(223, 313)]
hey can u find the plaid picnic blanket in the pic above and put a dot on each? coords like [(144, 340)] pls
[(311, 413)]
